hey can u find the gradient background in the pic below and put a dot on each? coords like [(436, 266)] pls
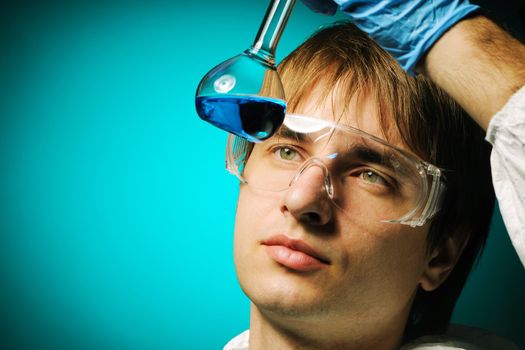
[(116, 213)]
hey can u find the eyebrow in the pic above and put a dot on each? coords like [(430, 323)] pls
[(287, 133), (369, 155)]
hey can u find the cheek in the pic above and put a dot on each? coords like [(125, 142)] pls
[(250, 211), (242, 224), (386, 260), (256, 210), (408, 247), (406, 257), (255, 213)]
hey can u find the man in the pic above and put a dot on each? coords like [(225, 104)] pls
[(333, 245)]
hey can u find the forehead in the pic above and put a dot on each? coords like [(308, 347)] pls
[(361, 111)]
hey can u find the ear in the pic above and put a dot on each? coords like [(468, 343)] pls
[(441, 262)]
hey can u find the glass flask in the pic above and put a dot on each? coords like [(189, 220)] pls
[(244, 95)]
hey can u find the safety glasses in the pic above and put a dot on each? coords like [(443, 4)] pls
[(361, 174)]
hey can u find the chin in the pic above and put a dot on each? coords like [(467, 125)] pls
[(284, 297)]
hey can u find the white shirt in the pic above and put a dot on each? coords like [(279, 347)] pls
[(506, 133), (457, 338)]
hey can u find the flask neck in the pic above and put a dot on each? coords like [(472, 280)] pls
[(271, 30)]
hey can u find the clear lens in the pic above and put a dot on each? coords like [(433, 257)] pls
[(362, 174)]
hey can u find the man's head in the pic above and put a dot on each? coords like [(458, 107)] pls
[(370, 277)]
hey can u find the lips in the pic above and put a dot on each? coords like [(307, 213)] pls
[(294, 254)]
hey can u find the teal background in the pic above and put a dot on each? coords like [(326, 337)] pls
[(116, 213)]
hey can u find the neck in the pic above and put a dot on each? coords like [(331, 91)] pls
[(271, 331)]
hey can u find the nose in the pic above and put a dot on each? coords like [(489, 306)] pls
[(308, 198)]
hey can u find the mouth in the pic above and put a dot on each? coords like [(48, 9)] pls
[(294, 254)]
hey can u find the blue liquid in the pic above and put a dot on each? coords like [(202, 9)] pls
[(253, 117)]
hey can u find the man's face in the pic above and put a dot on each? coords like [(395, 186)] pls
[(299, 257)]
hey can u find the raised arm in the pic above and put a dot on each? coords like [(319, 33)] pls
[(466, 54), (479, 65)]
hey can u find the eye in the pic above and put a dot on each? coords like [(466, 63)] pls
[(372, 177), (287, 153)]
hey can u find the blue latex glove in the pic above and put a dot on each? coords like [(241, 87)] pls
[(326, 7), (406, 29)]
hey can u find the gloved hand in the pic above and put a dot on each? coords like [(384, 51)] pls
[(326, 7), (406, 28)]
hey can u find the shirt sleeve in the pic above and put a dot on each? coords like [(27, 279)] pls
[(240, 342), (461, 337), (506, 133)]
